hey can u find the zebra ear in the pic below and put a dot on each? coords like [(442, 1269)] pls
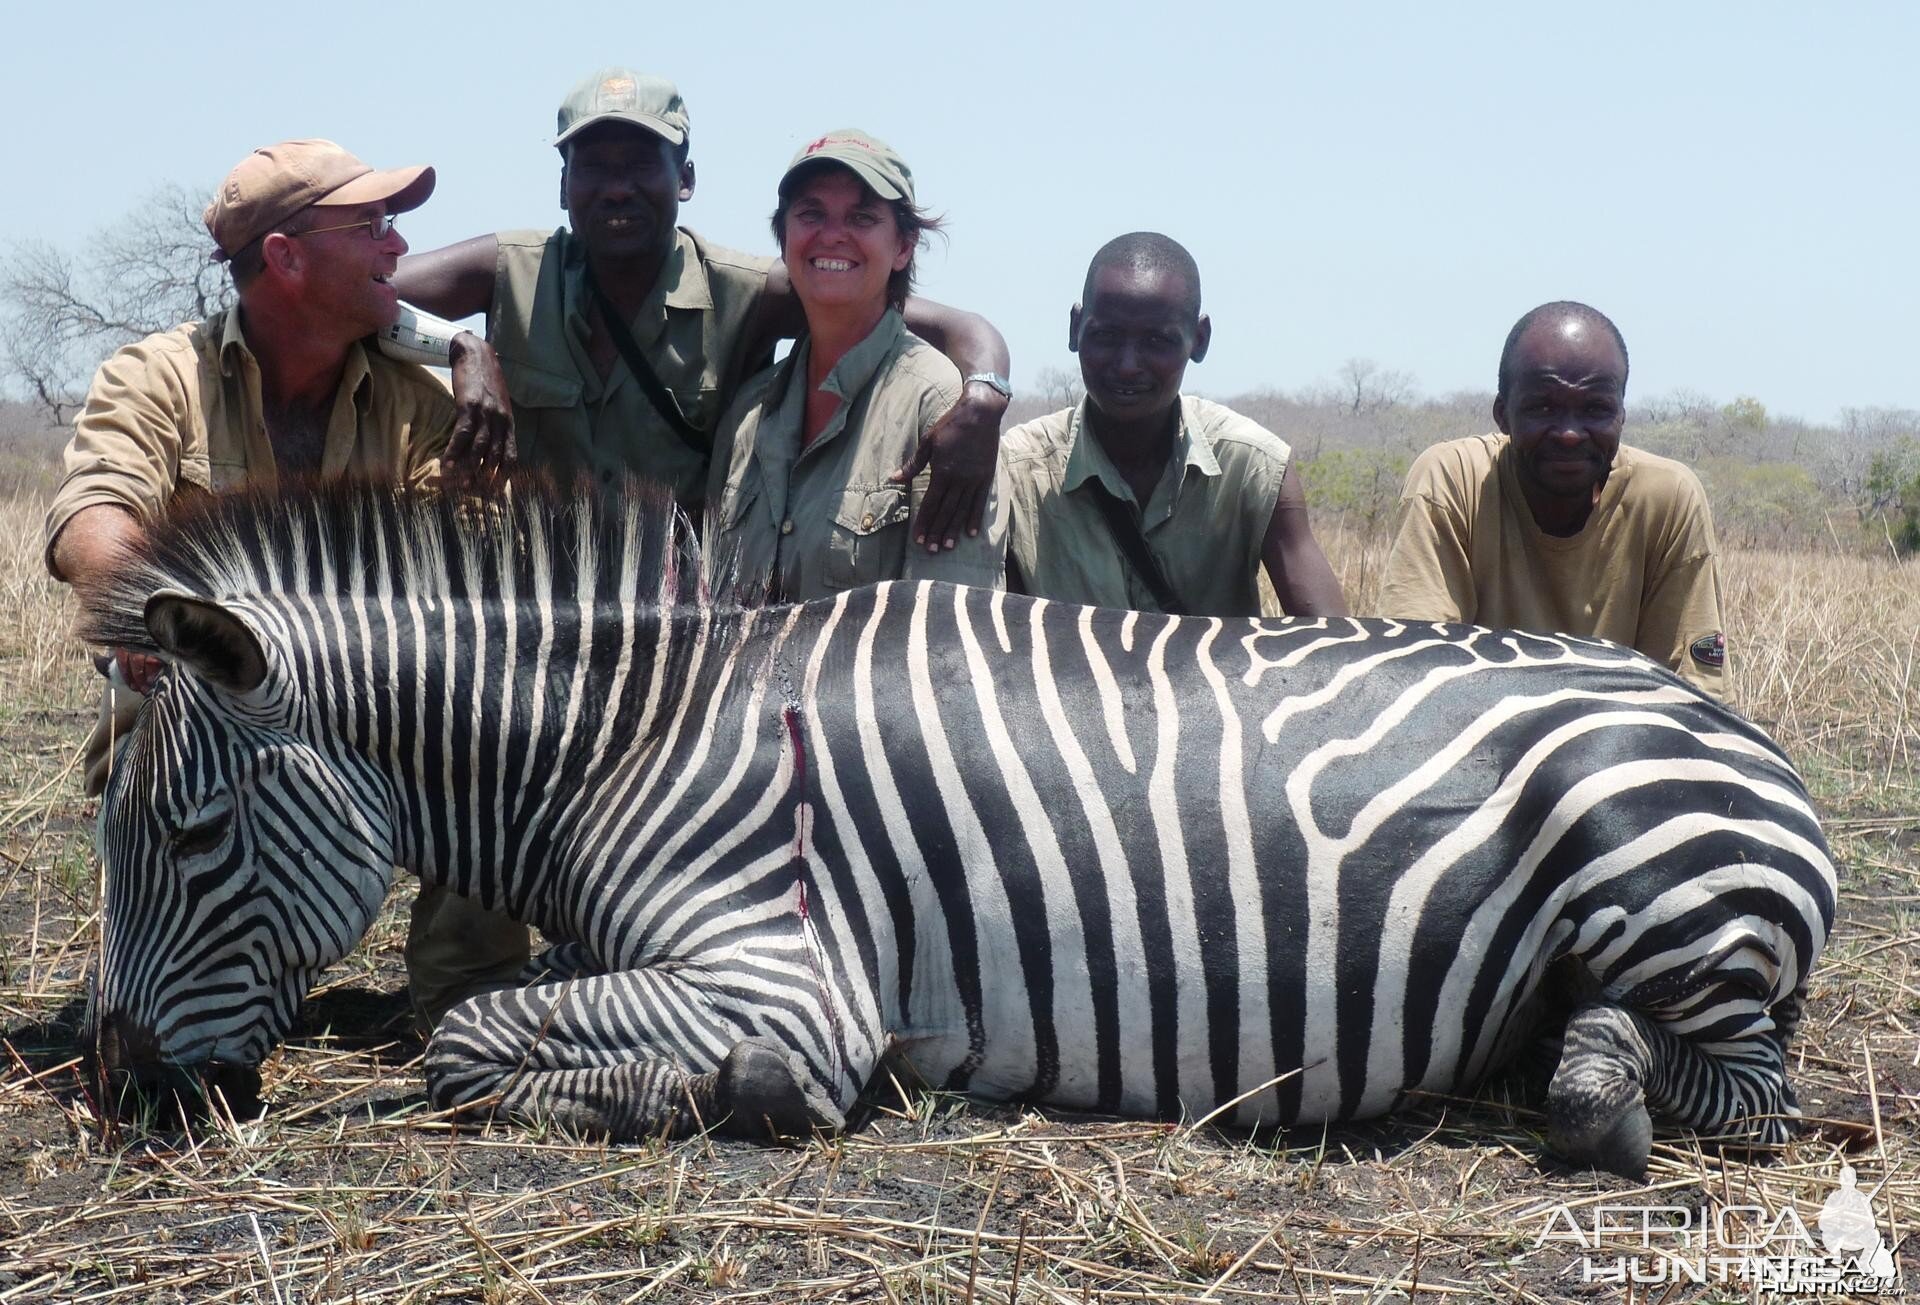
[(211, 641)]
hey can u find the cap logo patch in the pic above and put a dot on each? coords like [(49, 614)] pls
[(233, 192), (1709, 650), (825, 141), (618, 89)]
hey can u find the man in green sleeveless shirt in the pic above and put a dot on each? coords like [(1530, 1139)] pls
[(1140, 496), (624, 337)]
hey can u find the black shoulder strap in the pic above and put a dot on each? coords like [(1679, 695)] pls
[(657, 394), (1126, 533)]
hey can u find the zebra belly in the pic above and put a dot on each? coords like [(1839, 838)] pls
[(1053, 976), (1160, 864)]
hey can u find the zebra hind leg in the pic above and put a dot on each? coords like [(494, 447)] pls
[(542, 1055), (1618, 1068), (1596, 1102)]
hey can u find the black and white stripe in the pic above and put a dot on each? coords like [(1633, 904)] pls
[(1119, 861)]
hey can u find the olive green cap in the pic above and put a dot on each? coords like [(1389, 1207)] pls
[(872, 160), (623, 95)]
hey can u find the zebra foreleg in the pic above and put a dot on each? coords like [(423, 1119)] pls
[(581, 1055), (1618, 1066)]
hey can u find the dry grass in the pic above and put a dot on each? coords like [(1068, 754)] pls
[(350, 1190)]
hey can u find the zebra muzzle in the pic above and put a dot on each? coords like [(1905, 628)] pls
[(131, 1076)]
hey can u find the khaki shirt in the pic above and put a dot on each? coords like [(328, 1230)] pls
[(182, 408), (824, 518), (1205, 522), (1644, 571), (692, 331)]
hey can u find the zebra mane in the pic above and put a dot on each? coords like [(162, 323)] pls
[(346, 536)]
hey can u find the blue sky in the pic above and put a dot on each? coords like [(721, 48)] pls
[(1734, 184)]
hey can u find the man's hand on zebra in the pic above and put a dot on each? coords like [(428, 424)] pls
[(483, 429)]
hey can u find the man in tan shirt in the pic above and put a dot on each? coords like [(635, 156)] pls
[(281, 386), (699, 318), (1552, 526), (1139, 479)]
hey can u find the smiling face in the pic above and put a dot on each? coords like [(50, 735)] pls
[(345, 274), (1135, 333), (622, 187), (1564, 404), (840, 242)]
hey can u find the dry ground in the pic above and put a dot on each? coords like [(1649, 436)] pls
[(350, 1190)]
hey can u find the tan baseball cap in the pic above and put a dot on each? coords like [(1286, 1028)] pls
[(274, 182), (872, 160), (623, 95)]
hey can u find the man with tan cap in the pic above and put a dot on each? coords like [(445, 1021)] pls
[(624, 338), (282, 385)]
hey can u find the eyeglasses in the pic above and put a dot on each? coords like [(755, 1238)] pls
[(377, 227)]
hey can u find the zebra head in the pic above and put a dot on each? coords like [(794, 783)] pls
[(242, 856)]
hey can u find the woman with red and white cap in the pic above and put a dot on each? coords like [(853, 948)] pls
[(803, 503)]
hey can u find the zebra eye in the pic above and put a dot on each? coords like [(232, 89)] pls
[(200, 839)]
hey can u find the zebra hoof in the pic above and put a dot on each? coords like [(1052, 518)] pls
[(766, 1091), (1618, 1140)]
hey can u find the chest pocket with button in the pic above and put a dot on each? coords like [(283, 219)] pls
[(869, 539), (548, 422)]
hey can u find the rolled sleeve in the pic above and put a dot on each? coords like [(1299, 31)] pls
[(133, 443)]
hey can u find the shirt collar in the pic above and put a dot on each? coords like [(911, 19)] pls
[(682, 282), (857, 365), (779, 445), (232, 339), (356, 376), (685, 276), (1088, 460)]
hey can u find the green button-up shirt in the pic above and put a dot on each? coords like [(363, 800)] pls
[(692, 331), (815, 518), (1204, 523)]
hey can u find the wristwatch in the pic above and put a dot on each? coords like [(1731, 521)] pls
[(993, 381)]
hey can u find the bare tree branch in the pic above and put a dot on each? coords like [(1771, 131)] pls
[(1365, 386), (60, 314)]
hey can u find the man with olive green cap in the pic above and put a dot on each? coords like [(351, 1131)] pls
[(282, 385), (624, 338), (803, 501)]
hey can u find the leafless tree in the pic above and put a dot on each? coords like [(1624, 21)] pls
[(1365, 386), (1059, 387), (61, 312)]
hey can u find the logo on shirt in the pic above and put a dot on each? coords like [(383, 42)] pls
[(1710, 650)]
